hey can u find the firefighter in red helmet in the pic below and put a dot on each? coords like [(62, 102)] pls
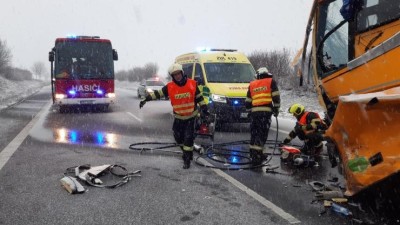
[(185, 96), (263, 101)]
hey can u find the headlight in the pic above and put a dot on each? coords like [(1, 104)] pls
[(218, 98), (149, 90), (60, 96), (110, 95)]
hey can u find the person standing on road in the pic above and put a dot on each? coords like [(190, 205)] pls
[(263, 100), (308, 129), (184, 95)]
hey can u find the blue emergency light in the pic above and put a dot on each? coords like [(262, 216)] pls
[(72, 92), (99, 92)]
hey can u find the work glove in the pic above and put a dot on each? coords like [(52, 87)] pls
[(275, 111), (142, 103)]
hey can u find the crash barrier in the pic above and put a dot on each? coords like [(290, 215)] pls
[(98, 176)]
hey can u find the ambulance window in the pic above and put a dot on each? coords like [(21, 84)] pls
[(198, 74), (187, 69)]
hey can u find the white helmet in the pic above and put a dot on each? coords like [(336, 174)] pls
[(262, 70), (175, 67)]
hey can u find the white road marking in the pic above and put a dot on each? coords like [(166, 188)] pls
[(137, 118), (9, 150), (291, 219)]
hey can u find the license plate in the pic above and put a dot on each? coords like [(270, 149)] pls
[(243, 115), (86, 102)]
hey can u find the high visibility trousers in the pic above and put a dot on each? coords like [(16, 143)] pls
[(184, 133), (259, 128)]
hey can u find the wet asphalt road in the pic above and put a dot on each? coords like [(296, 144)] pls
[(165, 194)]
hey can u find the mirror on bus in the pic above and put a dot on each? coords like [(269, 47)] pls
[(115, 55), (51, 56)]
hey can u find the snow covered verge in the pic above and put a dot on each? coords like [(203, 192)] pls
[(12, 92)]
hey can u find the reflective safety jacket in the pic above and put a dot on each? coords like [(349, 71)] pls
[(263, 94), (182, 98)]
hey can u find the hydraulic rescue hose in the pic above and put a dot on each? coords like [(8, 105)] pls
[(219, 157)]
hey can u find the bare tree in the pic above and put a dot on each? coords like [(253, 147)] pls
[(278, 63), (5, 57), (38, 69), (150, 70)]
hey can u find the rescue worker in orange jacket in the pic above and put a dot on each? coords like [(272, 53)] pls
[(308, 129), (184, 95), (263, 101)]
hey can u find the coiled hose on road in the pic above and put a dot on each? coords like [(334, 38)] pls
[(227, 158)]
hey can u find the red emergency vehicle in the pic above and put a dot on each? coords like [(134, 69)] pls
[(82, 71)]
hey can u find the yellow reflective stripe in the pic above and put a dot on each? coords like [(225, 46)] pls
[(262, 100), (153, 96), (161, 93), (199, 95), (277, 105), (183, 105), (275, 93), (183, 111), (256, 147), (187, 148), (248, 100), (186, 117), (202, 103), (261, 109), (262, 95)]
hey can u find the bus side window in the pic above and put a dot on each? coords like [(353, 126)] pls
[(198, 74)]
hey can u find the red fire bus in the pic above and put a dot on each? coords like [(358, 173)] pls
[(82, 72)]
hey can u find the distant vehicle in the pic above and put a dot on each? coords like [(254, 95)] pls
[(82, 72), (148, 86)]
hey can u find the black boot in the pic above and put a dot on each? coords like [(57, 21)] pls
[(186, 159), (257, 157)]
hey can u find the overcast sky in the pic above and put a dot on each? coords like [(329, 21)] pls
[(157, 31)]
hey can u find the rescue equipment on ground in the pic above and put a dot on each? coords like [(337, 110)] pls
[(205, 127), (98, 176), (294, 156)]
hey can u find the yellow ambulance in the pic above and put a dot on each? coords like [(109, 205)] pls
[(223, 76)]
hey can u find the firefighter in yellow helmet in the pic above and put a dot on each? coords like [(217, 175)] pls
[(263, 101), (185, 96), (307, 129)]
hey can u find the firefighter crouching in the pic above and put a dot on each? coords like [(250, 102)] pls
[(309, 128), (263, 100), (184, 95)]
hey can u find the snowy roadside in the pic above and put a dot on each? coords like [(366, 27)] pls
[(15, 91)]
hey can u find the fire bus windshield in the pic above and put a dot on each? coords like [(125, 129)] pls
[(84, 60)]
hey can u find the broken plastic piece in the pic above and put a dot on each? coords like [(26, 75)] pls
[(317, 186), (72, 185)]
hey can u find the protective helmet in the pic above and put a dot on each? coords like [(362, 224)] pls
[(174, 68), (263, 72), (296, 109)]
